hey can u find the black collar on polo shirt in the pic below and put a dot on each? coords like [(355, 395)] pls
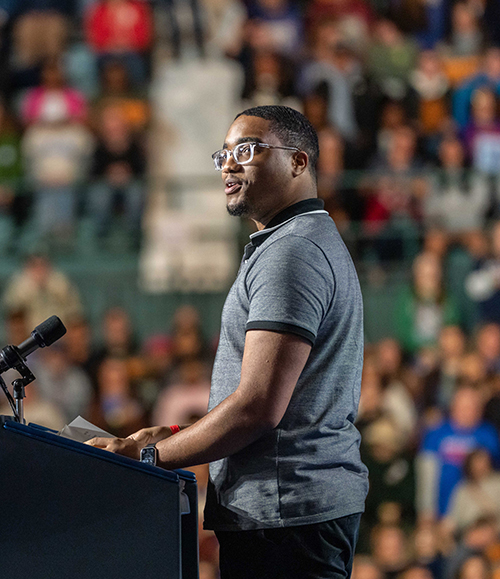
[(296, 209), (299, 208)]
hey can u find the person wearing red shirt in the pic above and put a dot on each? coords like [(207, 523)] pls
[(123, 30)]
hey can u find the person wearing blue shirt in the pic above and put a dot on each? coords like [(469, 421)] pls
[(445, 447), (488, 77)]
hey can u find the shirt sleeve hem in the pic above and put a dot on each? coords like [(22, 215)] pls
[(282, 327)]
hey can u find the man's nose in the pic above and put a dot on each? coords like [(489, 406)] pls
[(230, 164)]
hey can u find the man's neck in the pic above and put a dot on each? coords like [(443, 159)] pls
[(263, 222), (290, 210)]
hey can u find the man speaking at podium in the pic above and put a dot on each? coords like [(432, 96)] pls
[(287, 486)]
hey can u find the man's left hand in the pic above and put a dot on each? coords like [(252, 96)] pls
[(124, 446)]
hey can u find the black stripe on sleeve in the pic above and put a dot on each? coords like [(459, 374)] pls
[(282, 327)]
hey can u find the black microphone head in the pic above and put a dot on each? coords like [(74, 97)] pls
[(48, 332)]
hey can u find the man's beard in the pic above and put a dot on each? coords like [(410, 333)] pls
[(241, 209)]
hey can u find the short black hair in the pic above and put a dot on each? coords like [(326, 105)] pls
[(292, 128)]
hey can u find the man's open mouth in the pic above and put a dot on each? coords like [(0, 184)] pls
[(232, 186)]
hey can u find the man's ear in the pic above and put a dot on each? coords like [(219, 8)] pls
[(300, 161)]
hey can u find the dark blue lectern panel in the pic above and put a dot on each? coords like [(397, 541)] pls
[(72, 511)]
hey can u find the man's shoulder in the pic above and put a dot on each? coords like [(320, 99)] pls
[(315, 227), (303, 237)]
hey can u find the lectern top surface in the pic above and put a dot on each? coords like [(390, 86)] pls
[(48, 436)]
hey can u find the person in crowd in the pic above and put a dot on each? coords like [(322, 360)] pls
[(53, 94), (476, 567), (390, 549), (429, 97), (11, 173), (63, 384), (330, 161), (315, 107), (116, 92), (482, 133), (40, 291), (492, 407), (284, 23), (392, 475), (40, 29), (225, 22), (428, 547), (478, 539), (78, 342), (483, 283), (156, 357), (436, 241), (343, 203), (392, 57), (445, 447), (16, 326), (355, 17), (118, 172), (424, 307), (371, 402), (184, 28), (457, 199), (394, 192), (324, 68), (398, 400), (188, 341), (488, 77), (185, 397), (56, 154), (473, 370), (488, 347), (416, 571), (364, 567), (366, 101), (442, 380), (270, 81), (477, 496), (116, 407), (466, 37), (118, 339), (121, 30), (393, 116)]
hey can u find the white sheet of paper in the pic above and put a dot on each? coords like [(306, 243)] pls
[(82, 430)]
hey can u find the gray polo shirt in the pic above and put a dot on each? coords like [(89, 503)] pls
[(296, 276)]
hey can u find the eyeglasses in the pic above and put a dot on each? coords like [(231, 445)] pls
[(242, 153)]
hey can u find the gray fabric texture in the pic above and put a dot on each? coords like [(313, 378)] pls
[(296, 277)]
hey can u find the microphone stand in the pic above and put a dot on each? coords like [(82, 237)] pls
[(3, 385), (13, 357)]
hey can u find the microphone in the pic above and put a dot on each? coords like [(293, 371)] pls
[(43, 335)]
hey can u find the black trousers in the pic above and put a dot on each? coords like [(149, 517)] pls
[(318, 551)]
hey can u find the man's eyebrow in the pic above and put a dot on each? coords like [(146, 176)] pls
[(244, 140)]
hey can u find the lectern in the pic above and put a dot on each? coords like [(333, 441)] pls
[(71, 511)]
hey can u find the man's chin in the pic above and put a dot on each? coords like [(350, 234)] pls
[(240, 209)]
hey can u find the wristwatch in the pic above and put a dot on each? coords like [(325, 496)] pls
[(149, 454)]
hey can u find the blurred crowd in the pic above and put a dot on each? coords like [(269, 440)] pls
[(404, 95), (74, 115)]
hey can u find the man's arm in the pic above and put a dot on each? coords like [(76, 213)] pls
[(272, 364)]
